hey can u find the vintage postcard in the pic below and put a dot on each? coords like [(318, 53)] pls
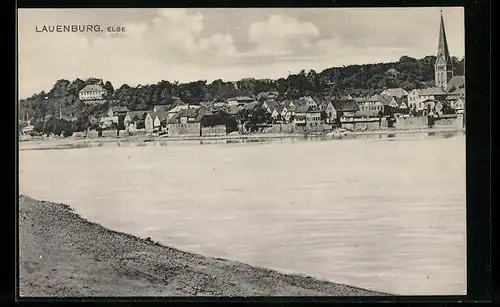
[(241, 152)]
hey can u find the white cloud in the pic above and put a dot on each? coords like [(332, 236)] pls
[(168, 48), (189, 45), (278, 35)]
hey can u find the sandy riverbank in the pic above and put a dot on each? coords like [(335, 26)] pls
[(62, 254)]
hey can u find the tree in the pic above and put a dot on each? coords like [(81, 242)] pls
[(360, 80), (109, 89), (407, 59), (49, 125), (82, 123), (231, 123), (38, 127), (63, 127)]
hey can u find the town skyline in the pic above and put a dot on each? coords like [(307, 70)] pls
[(273, 43)]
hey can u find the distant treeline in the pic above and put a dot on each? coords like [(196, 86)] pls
[(356, 80)]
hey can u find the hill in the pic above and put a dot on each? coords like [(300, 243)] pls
[(357, 80)]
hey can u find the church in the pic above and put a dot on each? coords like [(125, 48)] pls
[(443, 67), (447, 88)]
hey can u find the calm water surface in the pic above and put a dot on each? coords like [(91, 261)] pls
[(385, 214)]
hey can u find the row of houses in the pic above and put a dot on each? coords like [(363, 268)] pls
[(307, 110)]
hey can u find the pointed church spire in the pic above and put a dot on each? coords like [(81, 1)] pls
[(443, 43), (443, 69)]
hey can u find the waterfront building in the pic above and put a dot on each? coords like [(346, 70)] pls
[(374, 103), (133, 116), (154, 121), (187, 122), (173, 111), (417, 97), (337, 108)]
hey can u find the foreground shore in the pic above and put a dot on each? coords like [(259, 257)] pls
[(62, 254)]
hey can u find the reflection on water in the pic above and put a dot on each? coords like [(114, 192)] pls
[(388, 216), (70, 144)]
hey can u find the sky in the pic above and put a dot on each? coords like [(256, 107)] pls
[(185, 45)]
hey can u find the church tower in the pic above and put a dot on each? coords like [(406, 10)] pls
[(443, 70)]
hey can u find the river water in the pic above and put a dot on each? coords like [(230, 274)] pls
[(386, 214)]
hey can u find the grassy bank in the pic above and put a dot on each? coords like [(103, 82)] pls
[(62, 254)]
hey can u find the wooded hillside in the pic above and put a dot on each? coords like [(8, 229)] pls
[(357, 80)]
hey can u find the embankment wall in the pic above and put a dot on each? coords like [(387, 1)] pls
[(292, 128), (420, 122), (189, 129), (219, 130)]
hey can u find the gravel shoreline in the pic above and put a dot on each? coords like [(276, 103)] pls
[(64, 255)]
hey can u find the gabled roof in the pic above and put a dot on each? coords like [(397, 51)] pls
[(456, 82), (233, 110), (202, 112), (267, 94), (119, 109), (345, 105), (92, 88), (250, 106), (374, 98), (309, 100), (243, 98), (298, 102), (271, 104), (345, 97), (395, 92), (385, 99), (161, 115), (432, 91), (302, 109), (380, 98), (457, 92), (206, 104), (189, 112), (182, 107), (196, 113), (139, 114), (160, 107), (177, 102), (361, 99), (400, 101)]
